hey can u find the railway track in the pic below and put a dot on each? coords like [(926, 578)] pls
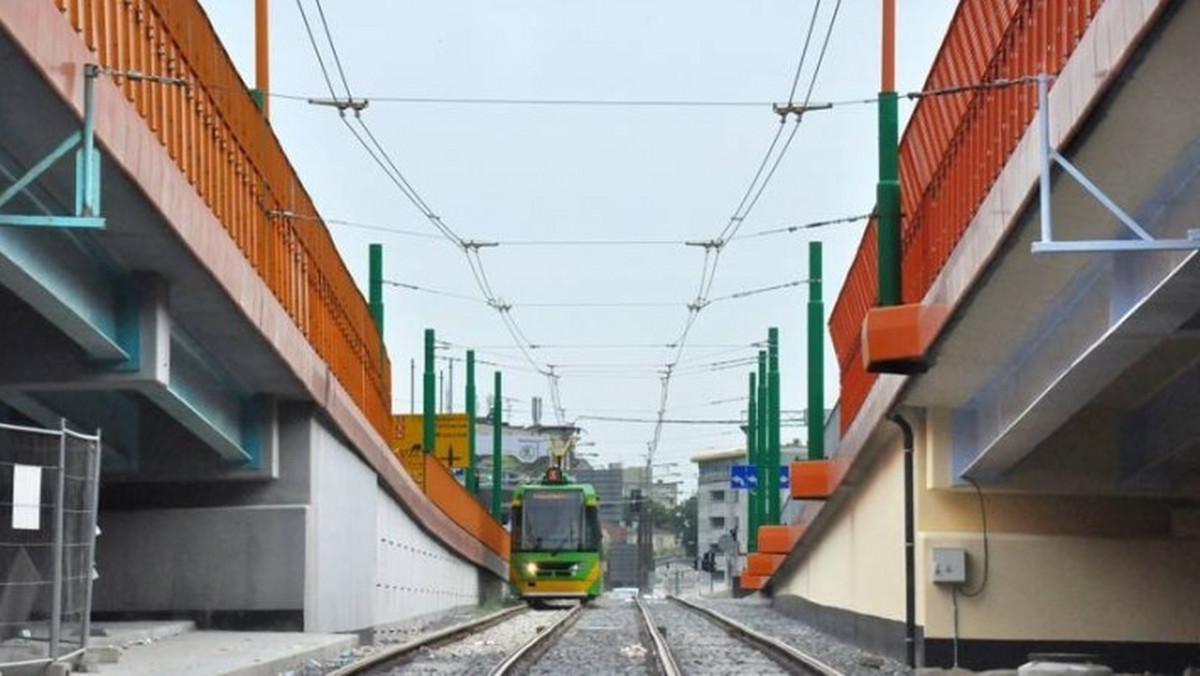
[(396, 659), (657, 637), (706, 653)]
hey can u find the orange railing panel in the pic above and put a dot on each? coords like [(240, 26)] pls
[(952, 151), (218, 138), (462, 508)]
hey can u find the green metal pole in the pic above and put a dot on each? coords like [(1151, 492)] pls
[(887, 200), (496, 446), (375, 286), (816, 356), (752, 458), (428, 410), (760, 496), (887, 192), (773, 449), (472, 479)]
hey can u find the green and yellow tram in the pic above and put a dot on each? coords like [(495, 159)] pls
[(555, 540)]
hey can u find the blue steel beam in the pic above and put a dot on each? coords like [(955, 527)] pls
[(175, 373), (1163, 431), (67, 287)]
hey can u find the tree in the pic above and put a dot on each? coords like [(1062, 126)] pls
[(686, 518)]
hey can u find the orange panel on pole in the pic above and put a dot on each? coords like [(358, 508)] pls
[(758, 563), (811, 479), (753, 582), (778, 539)]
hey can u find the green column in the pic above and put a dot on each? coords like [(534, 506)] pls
[(772, 456), (760, 495), (496, 446), (472, 480), (816, 356), (375, 286), (887, 200), (428, 410), (751, 458)]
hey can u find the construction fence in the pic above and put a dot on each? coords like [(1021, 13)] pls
[(48, 487)]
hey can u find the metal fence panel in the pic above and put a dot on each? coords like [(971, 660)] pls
[(48, 487)]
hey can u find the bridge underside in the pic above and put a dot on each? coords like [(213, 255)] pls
[(118, 328), (1077, 372), (1064, 384), (231, 453)]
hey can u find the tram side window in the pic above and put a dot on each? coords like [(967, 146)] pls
[(592, 529), (515, 521)]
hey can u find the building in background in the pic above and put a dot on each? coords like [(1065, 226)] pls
[(720, 511)]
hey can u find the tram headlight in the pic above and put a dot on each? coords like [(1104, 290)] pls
[(531, 569)]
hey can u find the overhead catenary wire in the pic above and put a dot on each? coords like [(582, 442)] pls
[(655, 103), (504, 309), (812, 23), (383, 159), (758, 185), (656, 420), (316, 50), (571, 102)]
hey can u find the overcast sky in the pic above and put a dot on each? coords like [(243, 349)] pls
[(591, 205)]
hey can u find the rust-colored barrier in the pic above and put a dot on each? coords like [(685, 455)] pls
[(778, 539), (765, 565), (457, 503), (952, 151), (219, 139)]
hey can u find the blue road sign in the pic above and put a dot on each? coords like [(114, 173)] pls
[(745, 478), (742, 477)]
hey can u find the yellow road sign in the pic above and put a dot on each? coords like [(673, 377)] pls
[(406, 445), (450, 440)]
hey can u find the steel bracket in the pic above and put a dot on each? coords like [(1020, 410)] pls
[(87, 171), (1144, 241)]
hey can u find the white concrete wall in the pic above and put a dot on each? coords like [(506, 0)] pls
[(414, 575), (858, 562), (341, 537)]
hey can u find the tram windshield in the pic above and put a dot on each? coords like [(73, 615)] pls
[(555, 521)]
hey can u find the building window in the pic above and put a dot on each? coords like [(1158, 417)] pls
[(717, 496), (716, 521)]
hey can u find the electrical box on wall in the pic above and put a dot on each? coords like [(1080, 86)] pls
[(949, 565)]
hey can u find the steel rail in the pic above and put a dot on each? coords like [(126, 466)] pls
[(437, 638), (535, 646), (786, 656), (666, 659)]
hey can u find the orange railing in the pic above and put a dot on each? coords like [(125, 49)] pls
[(462, 508), (218, 138), (952, 151)]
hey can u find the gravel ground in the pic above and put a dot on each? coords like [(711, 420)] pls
[(403, 632), (701, 647), (756, 613), (605, 640), (477, 654)]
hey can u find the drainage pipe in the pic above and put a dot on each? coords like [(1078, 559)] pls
[(910, 581)]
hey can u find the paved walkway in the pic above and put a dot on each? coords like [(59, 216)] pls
[(176, 648)]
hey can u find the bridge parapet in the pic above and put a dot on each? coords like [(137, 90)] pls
[(952, 150), (217, 136)]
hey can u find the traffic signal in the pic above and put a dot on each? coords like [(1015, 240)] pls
[(708, 562)]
